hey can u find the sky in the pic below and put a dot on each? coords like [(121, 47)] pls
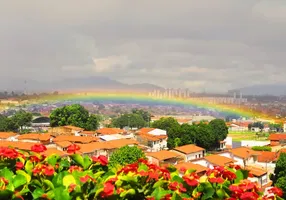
[(202, 45)]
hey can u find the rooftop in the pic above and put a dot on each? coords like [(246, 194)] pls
[(189, 148), (35, 136), (76, 139), (244, 152), (218, 160), (189, 165), (277, 136), (266, 156), (163, 155), (255, 171), (74, 128), (6, 135), (109, 131)]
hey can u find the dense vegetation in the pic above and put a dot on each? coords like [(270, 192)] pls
[(30, 175), (204, 135), (261, 148), (16, 122), (279, 177), (75, 115)]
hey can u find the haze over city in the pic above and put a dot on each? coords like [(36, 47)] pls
[(213, 45)]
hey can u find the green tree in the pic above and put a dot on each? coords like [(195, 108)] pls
[(7, 124), (130, 120), (276, 127), (187, 134), (204, 136), (279, 176), (219, 129), (22, 118), (75, 115), (125, 155), (145, 114)]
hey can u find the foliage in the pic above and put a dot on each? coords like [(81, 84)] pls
[(126, 155), (279, 175), (259, 125), (219, 129), (130, 120), (30, 175), (7, 125), (75, 115), (276, 127), (145, 114), (261, 148)]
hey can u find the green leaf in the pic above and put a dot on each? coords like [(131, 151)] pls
[(28, 177), (64, 164), (49, 184), (208, 191), (129, 192), (78, 159), (6, 173), (29, 167), (128, 178), (61, 194), (177, 179), (142, 167), (37, 193), (239, 176), (6, 194), (68, 180), (19, 180), (58, 179), (86, 162), (175, 196), (159, 193), (53, 159), (159, 183), (220, 193)]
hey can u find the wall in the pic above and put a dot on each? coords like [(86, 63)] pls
[(251, 143), (159, 145), (194, 156)]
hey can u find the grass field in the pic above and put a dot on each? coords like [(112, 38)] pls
[(246, 135)]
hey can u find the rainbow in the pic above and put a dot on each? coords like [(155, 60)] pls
[(143, 98)]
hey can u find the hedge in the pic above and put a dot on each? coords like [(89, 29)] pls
[(31, 175), (262, 148)]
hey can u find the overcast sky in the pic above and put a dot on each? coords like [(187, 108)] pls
[(214, 45)]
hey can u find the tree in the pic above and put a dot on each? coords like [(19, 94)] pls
[(279, 176), (276, 127), (259, 125), (204, 136), (126, 155), (145, 114), (22, 118), (7, 125), (219, 130), (75, 115), (130, 120)]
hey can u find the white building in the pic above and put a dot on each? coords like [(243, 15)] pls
[(190, 152)]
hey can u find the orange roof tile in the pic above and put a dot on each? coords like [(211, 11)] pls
[(51, 151), (244, 152), (255, 171), (277, 136), (266, 156), (189, 148), (163, 155), (88, 132), (6, 135), (218, 160), (63, 144), (145, 130), (109, 131), (76, 139), (17, 145), (74, 128), (35, 136), (91, 147), (151, 137), (189, 165), (122, 142)]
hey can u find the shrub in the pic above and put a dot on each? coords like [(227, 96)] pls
[(261, 148), (31, 175)]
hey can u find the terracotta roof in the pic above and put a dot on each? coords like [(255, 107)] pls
[(76, 139), (74, 128), (277, 136), (266, 156), (244, 152), (109, 131), (222, 142), (121, 143), (63, 144), (189, 148), (17, 145), (189, 165), (150, 137), (6, 135), (51, 151), (163, 155), (35, 136), (145, 130), (218, 160), (89, 132), (255, 171)]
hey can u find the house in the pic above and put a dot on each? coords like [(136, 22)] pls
[(214, 160), (65, 130), (74, 139), (222, 145), (115, 137), (44, 138), (17, 145), (190, 152), (88, 133), (7, 136), (243, 155), (155, 139), (62, 145), (238, 126), (164, 157), (200, 170), (109, 131), (259, 175), (277, 139), (267, 159)]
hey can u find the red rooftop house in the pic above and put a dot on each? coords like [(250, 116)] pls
[(277, 139)]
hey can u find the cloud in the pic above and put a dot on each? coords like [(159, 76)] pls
[(214, 45)]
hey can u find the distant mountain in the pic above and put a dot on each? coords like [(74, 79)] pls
[(89, 83), (274, 89)]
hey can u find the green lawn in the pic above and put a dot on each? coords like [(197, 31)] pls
[(246, 135)]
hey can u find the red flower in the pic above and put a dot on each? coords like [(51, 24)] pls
[(84, 179), (216, 180), (71, 187), (249, 196), (229, 175), (73, 148), (119, 190), (153, 175), (38, 148), (183, 170), (34, 159), (8, 153), (173, 186), (191, 180), (103, 160), (74, 168), (19, 165), (108, 190), (167, 197), (48, 170), (142, 160), (276, 191), (181, 188)]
